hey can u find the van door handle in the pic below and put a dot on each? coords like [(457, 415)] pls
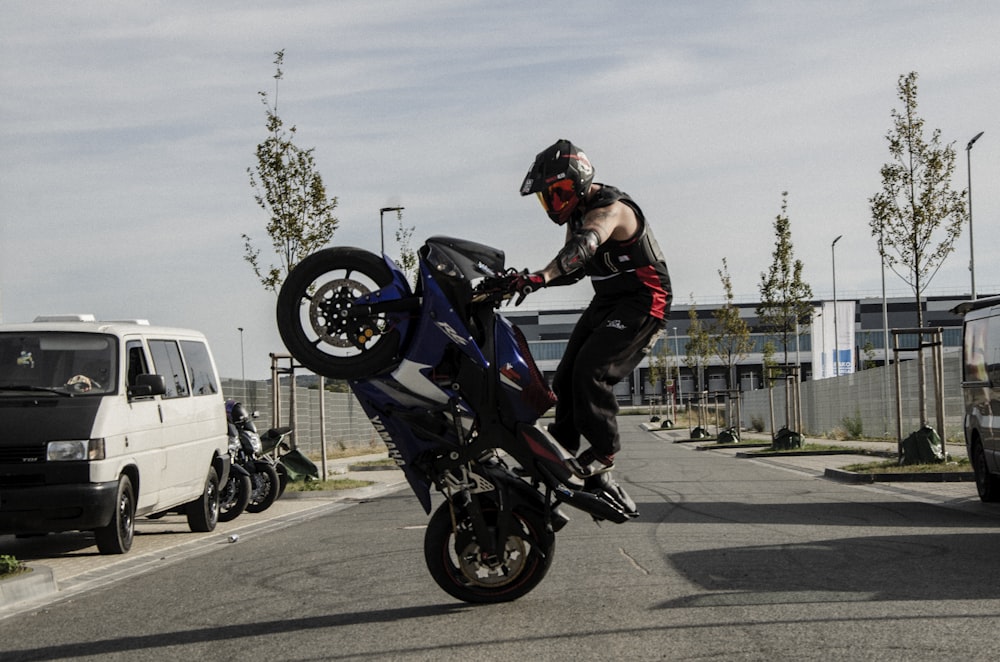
[(159, 409)]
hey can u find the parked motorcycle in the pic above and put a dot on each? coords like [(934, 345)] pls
[(250, 459), (290, 463), (452, 389), (235, 494)]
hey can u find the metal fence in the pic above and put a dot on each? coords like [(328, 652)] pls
[(866, 399), (347, 426)]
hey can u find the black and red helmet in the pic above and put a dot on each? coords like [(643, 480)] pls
[(561, 175)]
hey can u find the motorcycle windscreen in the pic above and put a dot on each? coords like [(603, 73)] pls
[(461, 262)]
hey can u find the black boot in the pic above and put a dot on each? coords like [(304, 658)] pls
[(607, 487)]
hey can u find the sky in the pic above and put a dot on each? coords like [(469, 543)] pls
[(127, 128)]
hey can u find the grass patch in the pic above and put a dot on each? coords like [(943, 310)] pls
[(11, 566), (325, 485), (811, 448), (383, 462), (960, 465)]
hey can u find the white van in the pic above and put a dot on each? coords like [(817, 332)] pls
[(101, 422), (981, 391)]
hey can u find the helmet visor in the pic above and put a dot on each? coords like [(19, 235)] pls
[(559, 199)]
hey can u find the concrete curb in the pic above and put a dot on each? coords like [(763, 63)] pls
[(842, 476), (28, 585)]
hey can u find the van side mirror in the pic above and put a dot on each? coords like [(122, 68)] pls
[(147, 385)]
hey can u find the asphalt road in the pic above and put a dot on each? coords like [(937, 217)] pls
[(730, 559)]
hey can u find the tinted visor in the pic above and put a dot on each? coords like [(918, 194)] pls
[(559, 199)]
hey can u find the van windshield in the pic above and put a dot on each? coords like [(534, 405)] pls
[(61, 363)]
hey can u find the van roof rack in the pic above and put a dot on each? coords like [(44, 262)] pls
[(140, 322), (76, 317), (86, 317)]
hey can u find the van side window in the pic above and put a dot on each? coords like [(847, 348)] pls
[(975, 350), (136, 361), (992, 350), (167, 362), (199, 364)]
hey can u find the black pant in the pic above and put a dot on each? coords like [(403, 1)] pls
[(606, 345)]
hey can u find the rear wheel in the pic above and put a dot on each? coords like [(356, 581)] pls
[(116, 537), (987, 484), (460, 567), (203, 512), (315, 317)]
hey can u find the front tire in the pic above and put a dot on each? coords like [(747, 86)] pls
[(265, 488), (987, 484), (203, 512), (234, 496), (116, 537), (456, 562), (314, 314)]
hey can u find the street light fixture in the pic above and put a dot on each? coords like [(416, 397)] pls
[(381, 215), (836, 335), (972, 253)]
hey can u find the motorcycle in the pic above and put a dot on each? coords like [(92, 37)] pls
[(235, 494), (453, 391), (290, 463), (249, 459)]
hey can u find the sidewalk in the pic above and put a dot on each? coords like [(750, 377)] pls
[(67, 563), (960, 494)]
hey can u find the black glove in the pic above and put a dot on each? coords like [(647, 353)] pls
[(525, 283)]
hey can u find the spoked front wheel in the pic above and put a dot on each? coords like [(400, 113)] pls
[(460, 566), (317, 320), (234, 496)]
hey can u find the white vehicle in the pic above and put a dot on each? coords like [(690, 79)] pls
[(101, 422), (981, 390)]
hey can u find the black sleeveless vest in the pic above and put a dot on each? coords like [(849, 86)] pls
[(631, 268)]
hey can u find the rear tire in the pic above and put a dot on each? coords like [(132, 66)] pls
[(116, 537), (455, 562), (987, 484), (314, 320), (203, 512)]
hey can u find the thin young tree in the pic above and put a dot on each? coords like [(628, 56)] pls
[(785, 306), (916, 217), (730, 340), (730, 333), (697, 350), (289, 188)]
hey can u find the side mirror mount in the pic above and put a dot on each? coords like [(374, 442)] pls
[(148, 385)]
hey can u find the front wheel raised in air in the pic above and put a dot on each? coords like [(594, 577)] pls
[(316, 320), (460, 567)]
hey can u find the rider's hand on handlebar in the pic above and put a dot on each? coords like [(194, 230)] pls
[(525, 283)]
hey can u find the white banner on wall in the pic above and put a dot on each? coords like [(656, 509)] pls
[(833, 356)]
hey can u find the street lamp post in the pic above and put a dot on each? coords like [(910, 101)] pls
[(836, 335), (243, 369), (381, 215), (972, 252)]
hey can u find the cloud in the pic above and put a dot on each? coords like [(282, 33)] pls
[(128, 129)]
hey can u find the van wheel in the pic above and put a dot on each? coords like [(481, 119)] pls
[(116, 537), (987, 484), (203, 512)]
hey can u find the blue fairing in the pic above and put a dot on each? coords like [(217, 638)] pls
[(386, 398)]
